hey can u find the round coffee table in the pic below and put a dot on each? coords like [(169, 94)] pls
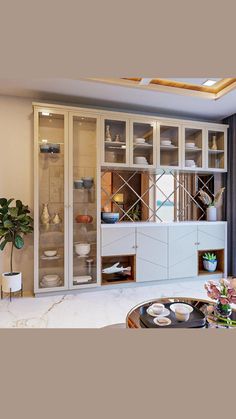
[(133, 317)]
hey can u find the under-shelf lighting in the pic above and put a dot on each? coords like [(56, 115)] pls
[(44, 113), (209, 83)]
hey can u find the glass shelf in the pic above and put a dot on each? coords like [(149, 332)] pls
[(115, 141), (169, 145), (51, 200), (216, 157), (193, 147)]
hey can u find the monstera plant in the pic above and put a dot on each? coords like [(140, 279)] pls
[(15, 223)]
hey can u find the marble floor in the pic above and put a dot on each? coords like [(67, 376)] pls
[(93, 309)]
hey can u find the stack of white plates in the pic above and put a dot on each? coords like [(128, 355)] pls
[(190, 145), (51, 281), (139, 141)]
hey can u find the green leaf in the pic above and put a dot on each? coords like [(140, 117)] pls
[(3, 202), (21, 216), (25, 229), (19, 242), (13, 211), (19, 203), (9, 201), (3, 244), (8, 224)]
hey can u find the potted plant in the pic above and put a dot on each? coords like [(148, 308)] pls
[(211, 203), (15, 222), (224, 293), (209, 262)]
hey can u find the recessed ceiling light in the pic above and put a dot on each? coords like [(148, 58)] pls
[(209, 83), (145, 82), (44, 113)]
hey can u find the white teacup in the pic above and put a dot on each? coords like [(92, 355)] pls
[(182, 314), (157, 308)]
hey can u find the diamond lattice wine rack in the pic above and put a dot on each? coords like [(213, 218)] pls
[(163, 197)]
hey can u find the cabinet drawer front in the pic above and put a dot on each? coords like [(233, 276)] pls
[(211, 237), (118, 241), (152, 254), (182, 252)]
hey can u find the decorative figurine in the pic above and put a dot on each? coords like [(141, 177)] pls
[(108, 133), (56, 219), (117, 138)]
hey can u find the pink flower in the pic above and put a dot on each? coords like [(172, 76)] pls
[(224, 300)]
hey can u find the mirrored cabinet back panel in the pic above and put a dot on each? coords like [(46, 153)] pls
[(72, 145)]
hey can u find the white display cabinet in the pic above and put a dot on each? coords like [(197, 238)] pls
[(66, 216)]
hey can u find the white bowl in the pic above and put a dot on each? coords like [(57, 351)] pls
[(82, 249), (157, 308), (190, 163), (50, 253), (50, 279)]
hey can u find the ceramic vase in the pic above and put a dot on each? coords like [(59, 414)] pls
[(212, 213), (209, 265), (45, 216), (214, 143), (108, 134), (56, 219)]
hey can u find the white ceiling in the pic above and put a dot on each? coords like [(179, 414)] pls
[(92, 93)]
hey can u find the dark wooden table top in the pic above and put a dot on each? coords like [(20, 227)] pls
[(133, 317)]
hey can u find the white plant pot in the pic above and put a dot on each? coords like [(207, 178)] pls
[(12, 282), (210, 266), (212, 214)]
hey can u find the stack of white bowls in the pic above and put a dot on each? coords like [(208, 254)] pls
[(49, 281), (140, 160), (190, 163)]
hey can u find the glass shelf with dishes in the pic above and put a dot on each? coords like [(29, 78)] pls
[(169, 146), (51, 211), (142, 153), (193, 147), (115, 141), (84, 206), (216, 149)]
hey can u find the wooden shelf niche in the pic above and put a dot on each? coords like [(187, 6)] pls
[(220, 254), (125, 261)]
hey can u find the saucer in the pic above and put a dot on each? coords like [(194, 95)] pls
[(157, 321), (164, 313), (50, 257)]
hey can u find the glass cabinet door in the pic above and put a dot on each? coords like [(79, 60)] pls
[(83, 214), (169, 145), (216, 149), (115, 142), (193, 148), (52, 215), (143, 150)]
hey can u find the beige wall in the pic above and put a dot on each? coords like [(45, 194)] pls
[(16, 172)]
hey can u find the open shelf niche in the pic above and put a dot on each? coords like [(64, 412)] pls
[(125, 261), (220, 254)]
